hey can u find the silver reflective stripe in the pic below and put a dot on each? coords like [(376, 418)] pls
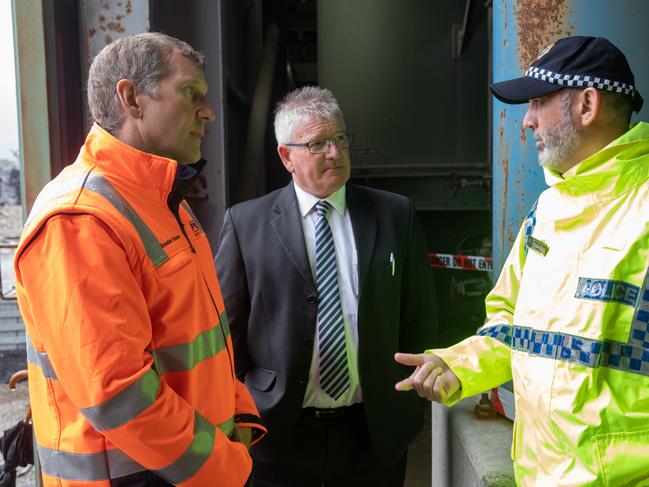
[(102, 186), (112, 464), (191, 214), (184, 357), (54, 190), (223, 318), (40, 359), (126, 404), (88, 467), (196, 454)]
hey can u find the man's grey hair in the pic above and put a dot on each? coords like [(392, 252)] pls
[(141, 58), (617, 107), (303, 105)]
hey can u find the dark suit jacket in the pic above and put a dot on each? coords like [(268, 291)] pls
[(270, 300)]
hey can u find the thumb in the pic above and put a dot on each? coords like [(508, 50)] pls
[(409, 359)]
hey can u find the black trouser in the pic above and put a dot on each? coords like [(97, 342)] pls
[(330, 451)]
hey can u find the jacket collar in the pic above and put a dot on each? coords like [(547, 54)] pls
[(112, 156), (610, 172)]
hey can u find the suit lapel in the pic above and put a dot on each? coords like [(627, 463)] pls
[(364, 224), (288, 228)]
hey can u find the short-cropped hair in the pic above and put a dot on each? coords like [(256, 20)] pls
[(143, 59), (304, 105)]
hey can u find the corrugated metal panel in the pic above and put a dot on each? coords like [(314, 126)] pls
[(12, 330)]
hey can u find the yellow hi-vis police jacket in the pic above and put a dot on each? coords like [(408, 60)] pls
[(568, 321)]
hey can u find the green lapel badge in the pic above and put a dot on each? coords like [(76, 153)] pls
[(537, 246)]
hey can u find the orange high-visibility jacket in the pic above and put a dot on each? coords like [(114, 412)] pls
[(129, 351)]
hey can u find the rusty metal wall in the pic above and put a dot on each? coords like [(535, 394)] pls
[(521, 29), (104, 21)]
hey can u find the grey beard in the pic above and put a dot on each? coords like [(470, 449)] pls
[(558, 144)]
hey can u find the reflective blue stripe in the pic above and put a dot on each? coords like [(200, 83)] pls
[(40, 359), (126, 404), (530, 223), (639, 334), (571, 348), (194, 456), (89, 467)]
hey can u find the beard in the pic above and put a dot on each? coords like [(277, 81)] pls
[(559, 143)]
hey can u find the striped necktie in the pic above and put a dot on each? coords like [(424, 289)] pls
[(334, 376)]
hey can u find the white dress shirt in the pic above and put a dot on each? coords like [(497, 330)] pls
[(347, 263)]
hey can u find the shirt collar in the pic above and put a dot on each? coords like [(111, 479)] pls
[(306, 201)]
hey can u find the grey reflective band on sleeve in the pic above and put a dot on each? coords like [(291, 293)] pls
[(112, 464), (126, 404), (54, 190), (184, 357), (102, 186), (194, 456), (88, 467), (40, 359)]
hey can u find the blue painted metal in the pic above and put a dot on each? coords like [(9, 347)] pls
[(521, 29)]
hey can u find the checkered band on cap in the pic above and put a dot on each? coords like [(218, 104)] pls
[(579, 81)]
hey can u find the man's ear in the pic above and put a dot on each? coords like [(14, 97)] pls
[(590, 103), (128, 99), (285, 155)]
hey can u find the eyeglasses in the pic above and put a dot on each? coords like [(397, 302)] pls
[(341, 141)]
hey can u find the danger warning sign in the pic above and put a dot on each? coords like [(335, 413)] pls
[(461, 262)]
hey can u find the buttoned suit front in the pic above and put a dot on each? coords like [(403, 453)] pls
[(271, 302)]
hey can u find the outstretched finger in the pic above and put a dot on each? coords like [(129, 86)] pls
[(404, 385), (409, 358)]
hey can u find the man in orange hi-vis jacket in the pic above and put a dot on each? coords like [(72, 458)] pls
[(130, 358)]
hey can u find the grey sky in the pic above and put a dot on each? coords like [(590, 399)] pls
[(8, 117)]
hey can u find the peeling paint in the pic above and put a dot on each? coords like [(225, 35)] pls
[(540, 23), (503, 155), (115, 18), (115, 27)]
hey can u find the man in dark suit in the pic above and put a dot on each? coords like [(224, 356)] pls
[(323, 282)]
